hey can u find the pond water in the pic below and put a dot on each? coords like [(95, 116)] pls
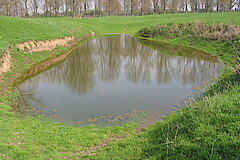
[(115, 77)]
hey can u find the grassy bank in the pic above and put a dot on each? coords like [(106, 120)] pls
[(207, 129), (28, 137), (15, 30)]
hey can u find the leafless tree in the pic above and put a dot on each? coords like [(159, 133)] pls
[(155, 5), (88, 8)]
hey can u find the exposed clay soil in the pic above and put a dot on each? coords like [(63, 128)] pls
[(34, 46), (54, 60), (37, 46), (44, 65), (5, 62)]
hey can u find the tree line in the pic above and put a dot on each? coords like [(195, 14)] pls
[(96, 8)]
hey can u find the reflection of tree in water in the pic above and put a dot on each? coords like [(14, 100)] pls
[(163, 68), (27, 101), (107, 57), (79, 70)]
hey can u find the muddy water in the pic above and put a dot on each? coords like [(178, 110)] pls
[(113, 78)]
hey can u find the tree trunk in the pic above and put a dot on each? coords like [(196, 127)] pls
[(124, 8), (16, 8), (164, 6), (26, 8), (74, 9), (217, 6), (46, 8), (155, 4), (131, 7), (85, 6), (35, 8)]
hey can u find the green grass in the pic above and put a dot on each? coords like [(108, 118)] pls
[(207, 130), (15, 30), (27, 137), (30, 137)]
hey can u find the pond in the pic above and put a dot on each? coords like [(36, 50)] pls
[(118, 78)]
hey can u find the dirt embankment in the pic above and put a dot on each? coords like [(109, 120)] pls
[(44, 65), (34, 46), (38, 46), (5, 62), (54, 60)]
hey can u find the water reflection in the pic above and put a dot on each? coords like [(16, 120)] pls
[(118, 61), (105, 58)]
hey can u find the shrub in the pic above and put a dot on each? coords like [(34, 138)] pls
[(202, 30)]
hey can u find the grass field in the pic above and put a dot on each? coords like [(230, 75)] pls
[(209, 129), (15, 30), (206, 130)]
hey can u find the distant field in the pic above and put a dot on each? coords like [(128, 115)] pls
[(15, 30)]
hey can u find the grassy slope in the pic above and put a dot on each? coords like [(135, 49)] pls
[(28, 137), (207, 129), (15, 30)]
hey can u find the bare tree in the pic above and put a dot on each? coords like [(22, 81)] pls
[(35, 4), (232, 3), (208, 5), (238, 5), (164, 5), (144, 6), (194, 5), (26, 8), (155, 5), (74, 8), (125, 4), (173, 6), (133, 4)]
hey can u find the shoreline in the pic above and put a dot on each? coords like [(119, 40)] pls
[(35, 129), (55, 60)]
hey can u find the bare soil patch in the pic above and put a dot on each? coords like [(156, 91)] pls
[(38, 46), (44, 65), (5, 62)]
